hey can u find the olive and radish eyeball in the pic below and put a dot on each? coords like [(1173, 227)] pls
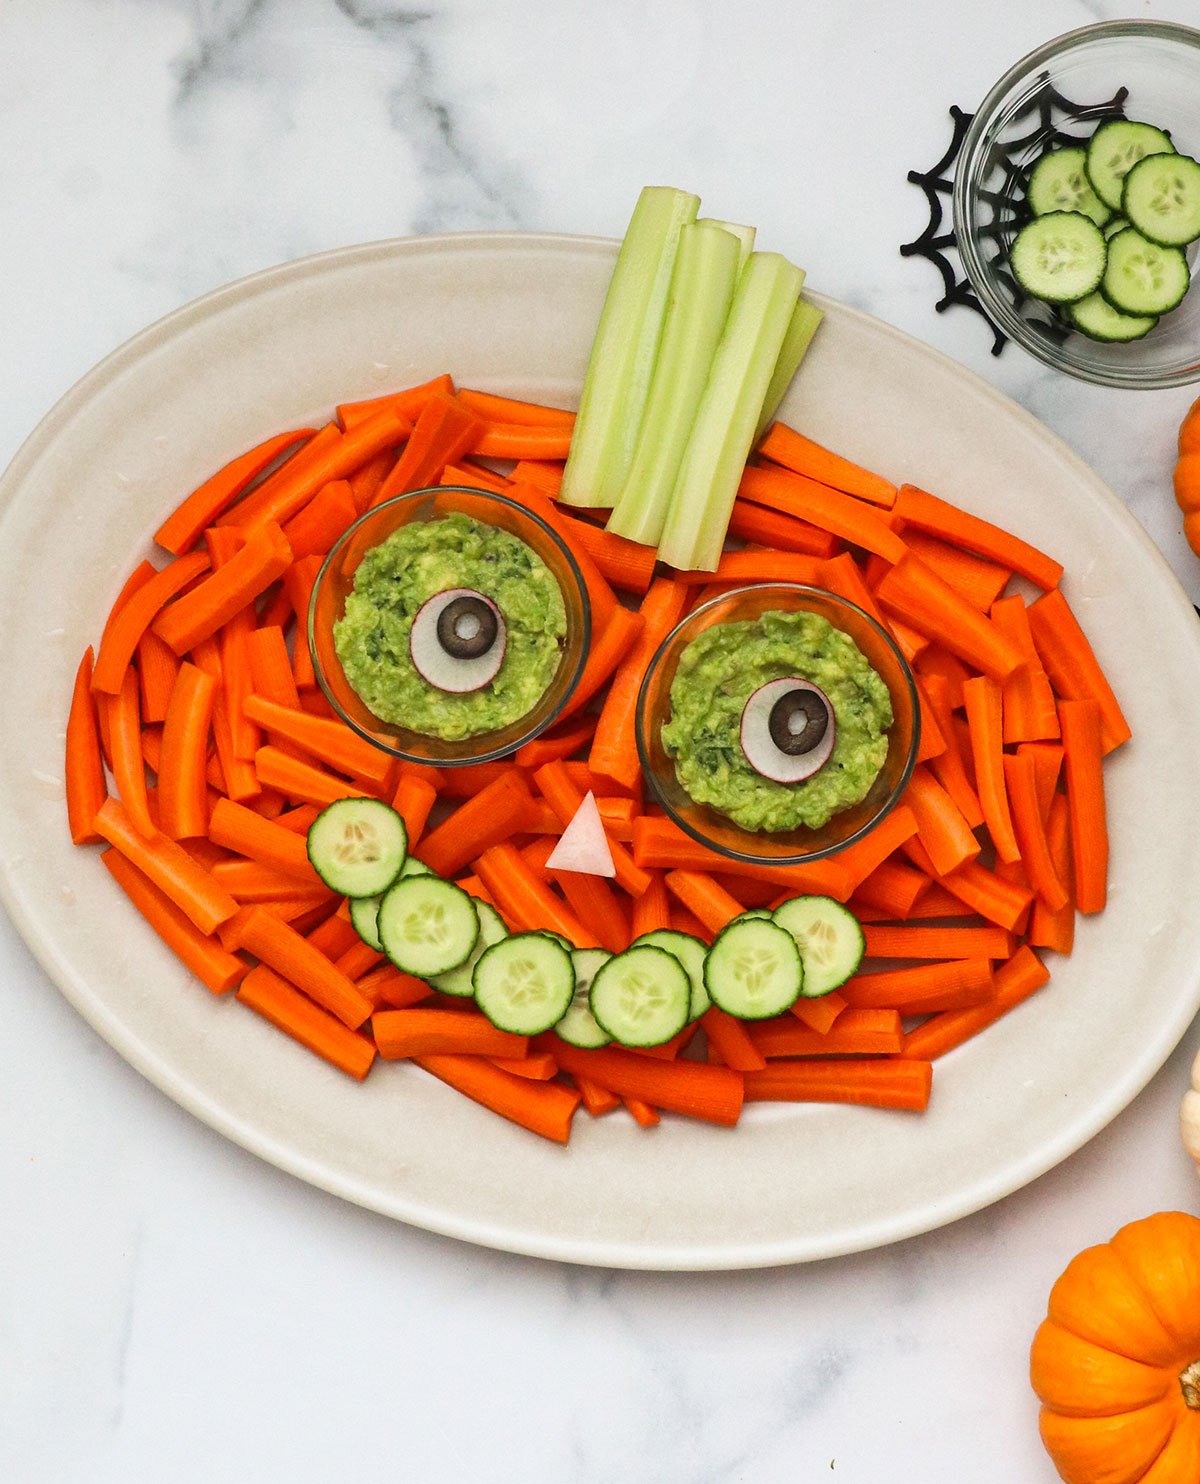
[(788, 730), (457, 640)]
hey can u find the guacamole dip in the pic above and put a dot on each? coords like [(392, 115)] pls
[(719, 671), (419, 561)]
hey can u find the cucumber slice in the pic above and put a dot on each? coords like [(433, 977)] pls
[(691, 953), (358, 846), (1113, 226), (579, 1027), (830, 940), (753, 970), (1098, 320), (558, 938), (1059, 257), (1141, 277), (414, 867), (641, 997), (1161, 199), (1059, 182), (461, 981), (1115, 148), (364, 918), (427, 926), (525, 983)]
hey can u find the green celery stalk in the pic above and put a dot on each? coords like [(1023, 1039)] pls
[(744, 235), (701, 293), (800, 332), (723, 432), (625, 349)]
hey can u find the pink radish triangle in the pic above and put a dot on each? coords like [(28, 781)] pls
[(583, 846)]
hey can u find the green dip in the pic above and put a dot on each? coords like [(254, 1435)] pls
[(719, 671), (418, 561)]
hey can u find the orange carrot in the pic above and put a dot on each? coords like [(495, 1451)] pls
[(180, 531), (729, 1036), (236, 684), (931, 744), (911, 643), (367, 481), (820, 1014), (475, 888), (974, 578), (743, 567), (937, 942), (521, 441), (892, 888), (1047, 759), (600, 594), (927, 513), (233, 775), (497, 409), (299, 581), (688, 1087), (1082, 732), (443, 431), (564, 797), (943, 831), (860, 860), (319, 524), (660, 842), (408, 403), (652, 907), (625, 564), (128, 765), (524, 901), (783, 445), (597, 1100), (609, 648), (251, 882), (858, 1032), (712, 904), (413, 800), (270, 669), (807, 499), (540, 1066), (130, 622), (330, 742), (543, 475), (157, 667), (989, 895), (1049, 929), (85, 785), (642, 1113), (388, 986), (182, 791), (498, 812), (916, 594), (239, 829), (874, 1083), (284, 950), (276, 1000), (1015, 981), (1072, 666), (1029, 712), (948, 767), (402, 1034), (169, 866), (200, 613), (299, 780), (595, 904), (925, 989), (1021, 783), (749, 522), (545, 1108), (558, 743), (936, 661), (983, 702)]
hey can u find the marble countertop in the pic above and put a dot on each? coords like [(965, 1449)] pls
[(169, 1306)]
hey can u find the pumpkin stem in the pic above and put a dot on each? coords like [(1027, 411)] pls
[(1190, 1381)]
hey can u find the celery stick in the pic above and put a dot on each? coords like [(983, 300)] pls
[(701, 293), (721, 436), (744, 235), (795, 345), (625, 348)]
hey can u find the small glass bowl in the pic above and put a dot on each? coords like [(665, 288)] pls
[(1159, 64), (716, 830), (335, 581)]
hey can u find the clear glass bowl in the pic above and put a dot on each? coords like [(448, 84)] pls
[(716, 830), (335, 581), (1159, 65)]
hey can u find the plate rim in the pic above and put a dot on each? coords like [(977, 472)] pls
[(181, 1088)]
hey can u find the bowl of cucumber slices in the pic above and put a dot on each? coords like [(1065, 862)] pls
[(1077, 203)]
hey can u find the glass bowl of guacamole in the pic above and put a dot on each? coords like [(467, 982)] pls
[(778, 724), (449, 626)]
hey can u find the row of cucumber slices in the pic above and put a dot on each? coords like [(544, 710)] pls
[(528, 983), (1110, 224)]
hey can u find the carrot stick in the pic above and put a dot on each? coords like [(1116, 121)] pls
[(1021, 783), (169, 866), (388, 986), (783, 445), (927, 513), (408, 402), (660, 842), (741, 567), (712, 904), (1049, 929), (521, 441), (330, 742), (652, 907), (1082, 733), (858, 1032), (475, 888), (732, 1041), (911, 643), (948, 767), (236, 684), (1015, 981), (540, 1066), (543, 475), (128, 765), (749, 522), (272, 997), (558, 743), (1029, 711), (861, 860), (157, 667), (366, 482), (892, 888), (989, 895), (564, 797), (642, 1113), (807, 499), (925, 989), (688, 1087), (820, 1014), (614, 749), (599, 591), (937, 942), (180, 531), (596, 1099), (239, 829), (284, 950), (401, 1034), (609, 648), (545, 1108), (228, 773), (523, 900), (942, 830), (299, 780), (473, 476), (126, 627), (182, 789), (936, 661), (319, 523), (625, 564), (498, 812), (1047, 759), (916, 594), (249, 882), (413, 800), (270, 668), (200, 613), (983, 702), (299, 581), (1072, 666), (84, 772), (873, 1083), (443, 431), (497, 409), (974, 578), (595, 904)]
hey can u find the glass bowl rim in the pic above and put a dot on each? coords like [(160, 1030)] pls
[(1009, 322), (493, 754), (890, 803)]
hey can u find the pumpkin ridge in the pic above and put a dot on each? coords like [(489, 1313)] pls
[(1160, 1224)]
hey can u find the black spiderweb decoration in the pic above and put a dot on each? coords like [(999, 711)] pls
[(1050, 115)]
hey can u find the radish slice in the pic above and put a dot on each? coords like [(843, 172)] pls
[(788, 730), (457, 640), (583, 845)]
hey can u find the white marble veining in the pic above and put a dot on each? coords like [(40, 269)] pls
[(170, 1308)]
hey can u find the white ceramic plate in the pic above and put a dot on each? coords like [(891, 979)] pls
[(516, 313)]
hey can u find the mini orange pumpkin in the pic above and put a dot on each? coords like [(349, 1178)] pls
[(1187, 476), (1117, 1361)]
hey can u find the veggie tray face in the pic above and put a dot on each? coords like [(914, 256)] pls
[(516, 314)]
